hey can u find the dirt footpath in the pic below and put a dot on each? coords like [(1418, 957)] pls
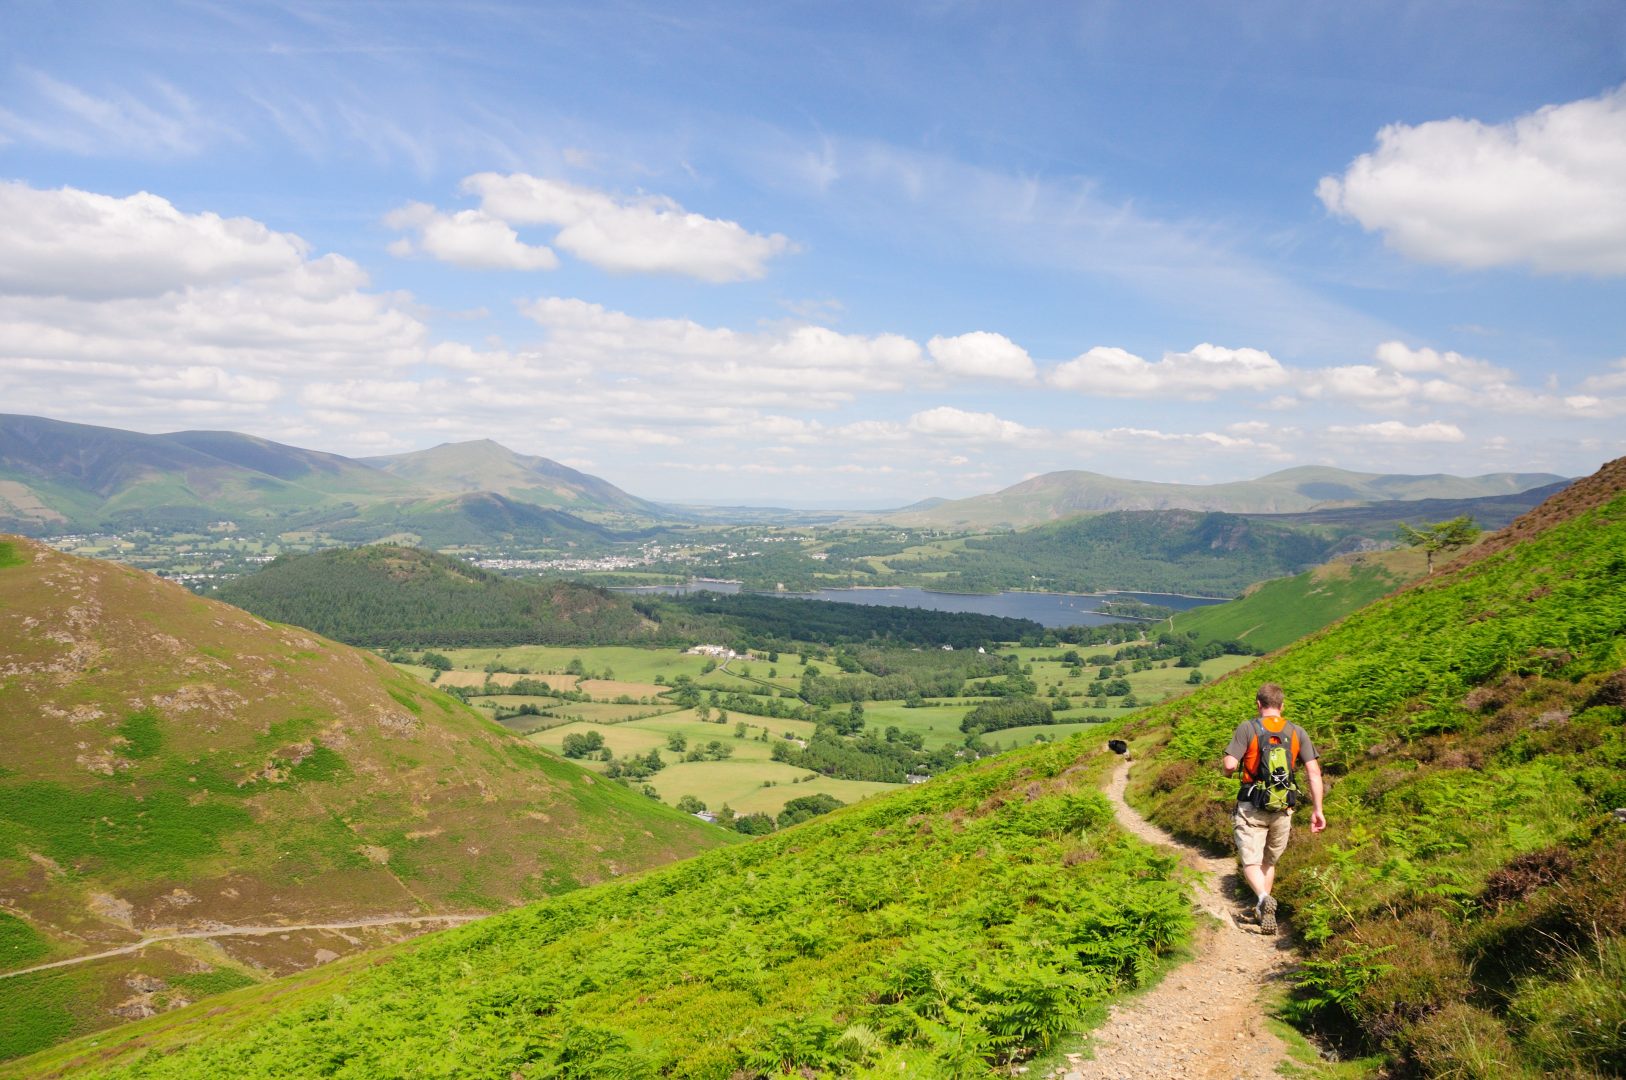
[(1204, 1020)]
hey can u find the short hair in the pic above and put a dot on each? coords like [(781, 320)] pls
[(1269, 696)]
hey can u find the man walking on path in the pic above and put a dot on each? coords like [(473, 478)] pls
[(1269, 749)]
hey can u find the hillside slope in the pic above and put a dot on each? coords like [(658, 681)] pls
[(1211, 554), (56, 475), (388, 595), (1280, 611), (483, 465), (924, 934), (1466, 909), (174, 763), (1057, 495), (475, 520)]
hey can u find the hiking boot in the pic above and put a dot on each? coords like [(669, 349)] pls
[(1267, 915)]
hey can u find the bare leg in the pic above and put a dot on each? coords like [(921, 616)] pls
[(1258, 880), (1269, 874)]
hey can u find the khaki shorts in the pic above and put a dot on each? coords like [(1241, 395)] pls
[(1261, 835)]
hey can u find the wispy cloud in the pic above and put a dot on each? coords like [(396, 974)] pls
[(154, 120)]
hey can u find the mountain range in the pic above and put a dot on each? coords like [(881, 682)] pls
[(1058, 495), (60, 477)]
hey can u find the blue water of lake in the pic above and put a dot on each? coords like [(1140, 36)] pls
[(1046, 609)]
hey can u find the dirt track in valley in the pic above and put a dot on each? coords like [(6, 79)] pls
[(246, 931)]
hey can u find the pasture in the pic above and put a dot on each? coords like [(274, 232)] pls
[(749, 780)]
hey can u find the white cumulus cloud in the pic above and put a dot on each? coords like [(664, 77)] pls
[(1435, 431), (127, 306), (1201, 373), (68, 242), (805, 366), (984, 355), (642, 234), (1547, 189), (468, 238), (1448, 365), (945, 421)]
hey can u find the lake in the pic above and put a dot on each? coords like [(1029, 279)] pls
[(1046, 609)]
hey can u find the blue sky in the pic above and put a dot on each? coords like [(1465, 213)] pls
[(828, 253)]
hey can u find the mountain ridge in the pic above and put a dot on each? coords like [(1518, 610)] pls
[(483, 465), (1067, 493), (56, 476)]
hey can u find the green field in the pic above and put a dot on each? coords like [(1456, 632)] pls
[(693, 728), (764, 785), (600, 712), (750, 780), (939, 725), (624, 662), (622, 739)]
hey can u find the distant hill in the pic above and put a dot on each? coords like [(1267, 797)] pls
[(58, 477), (174, 763), (477, 519), (1209, 554), (1060, 495), (1375, 518), (1283, 610), (485, 466), (389, 595)]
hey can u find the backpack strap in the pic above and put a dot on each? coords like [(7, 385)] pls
[(1252, 759), (1256, 750)]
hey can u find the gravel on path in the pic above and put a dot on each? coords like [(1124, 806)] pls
[(1205, 1020)]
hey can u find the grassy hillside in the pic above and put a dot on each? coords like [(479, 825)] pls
[(1378, 519), (174, 763), (57, 477), (483, 465), (387, 595), (60, 475), (1277, 612), (1058, 495), (1155, 551), (923, 934), (478, 520), (1465, 910)]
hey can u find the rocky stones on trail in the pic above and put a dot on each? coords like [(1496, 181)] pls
[(1204, 1021), (111, 908)]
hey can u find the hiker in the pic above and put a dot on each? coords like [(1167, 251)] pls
[(1268, 748)]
